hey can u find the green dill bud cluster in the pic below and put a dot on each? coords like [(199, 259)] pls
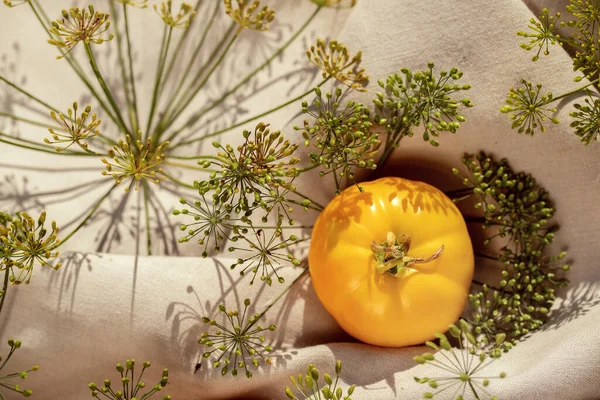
[(9, 381), (239, 341), (528, 108), (544, 32), (311, 387), (129, 386), (462, 368), (341, 135), (517, 212), (417, 99), (585, 119)]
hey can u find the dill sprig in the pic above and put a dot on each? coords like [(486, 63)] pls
[(239, 341), (130, 386), (181, 20), (341, 135), (8, 381), (334, 60), (25, 242), (417, 99), (79, 25), (248, 14), (516, 212), (76, 128), (462, 368), (310, 387), (527, 106)]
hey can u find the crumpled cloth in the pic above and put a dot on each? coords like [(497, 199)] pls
[(103, 308)]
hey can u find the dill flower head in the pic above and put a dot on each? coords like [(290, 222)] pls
[(180, 20), (239, 341), (9, 380), (264, 160), (544, 32), (135, 160), (334, 59), (131, 384), (79, 25), (26, 242), (528, 109), (309, 385), (247, 16), (461, 369), (341, 134), (75, 129), (586, 119)]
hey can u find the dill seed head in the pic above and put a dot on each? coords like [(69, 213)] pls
[(334, 60), (311, 388), (586, 119), (543, 33), (248, 15), (135, 160), (25, 242), (79, 25), (527, 107), (239, 341), (75, 128), (131, 384), (180, 20)]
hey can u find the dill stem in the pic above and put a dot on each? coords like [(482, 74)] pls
[(178, 182), (162, 56), (572, 91), (196, 51), (30, 145), (26, 93), (105, 89), (181, 107), (224, 97), (122, 66), (147, 214), (88, 216), (272, 110), (73, 63), (309, 199), (276, 299), (134, 106), (4, 287), (29, 121)]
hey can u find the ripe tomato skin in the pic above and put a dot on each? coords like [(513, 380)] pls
[(379, 308)]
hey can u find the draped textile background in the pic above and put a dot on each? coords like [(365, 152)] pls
[(108, 304)]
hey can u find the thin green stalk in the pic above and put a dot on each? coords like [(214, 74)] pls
[(276, 299), (573, 91), (122, 66), (134, 106), (164, 50), (309, 199), (147, 214), (306, 169), (234, 89), (48, 150), (72, 62), (28, 121), (279, 107), (182, 103), (196, 51), (87, 218), (105, 89), (178, 182), (26, 93), (4, 287)]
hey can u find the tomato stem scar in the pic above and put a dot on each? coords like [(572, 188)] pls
[(392, 255)]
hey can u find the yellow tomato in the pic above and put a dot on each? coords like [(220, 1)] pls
[(392, 264)]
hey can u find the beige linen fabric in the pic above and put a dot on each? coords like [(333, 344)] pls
[(103, 308)]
